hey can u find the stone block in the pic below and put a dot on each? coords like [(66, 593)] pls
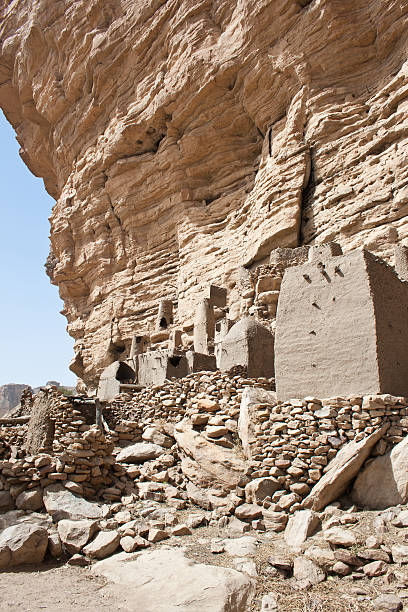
[(325, 250), (217, 296), (200, 362), (251, 345), (342, 328), (157, 366), (204, 326), (112, 377)]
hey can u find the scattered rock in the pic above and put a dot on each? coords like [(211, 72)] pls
[(54, 545), (241, 547), (258, 489), (340, 568), (376, 568), (246, 565), (157, 535), (307, 572), (248, 512), (348, 557), (340, 537), (153, 435), (401, 520), (399, 553), (237, 526), (387, 603), (269, 603), (275, 521), (105, 544), (217, 547), (76, 534), (31, 499), (323, 557), (300, 526), (181, 530), (139, 453), (78, 561), (216, 465)]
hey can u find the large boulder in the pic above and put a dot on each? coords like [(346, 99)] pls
[(341, 471), (215, 466), (31, 499), (391, 471), (62, 504), (139, 453), (76, 534), (164, 580), (22, 544), (258, 489), (153, 435), (252, 398)]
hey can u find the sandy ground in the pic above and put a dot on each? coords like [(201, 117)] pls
[(66, 589), (55, 589)]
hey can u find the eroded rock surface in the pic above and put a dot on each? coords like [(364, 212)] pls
[(165, 580), (182, 140)]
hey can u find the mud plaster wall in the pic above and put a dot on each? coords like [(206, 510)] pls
[(326, 326)]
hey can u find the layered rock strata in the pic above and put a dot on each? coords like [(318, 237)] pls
[(182, 140)]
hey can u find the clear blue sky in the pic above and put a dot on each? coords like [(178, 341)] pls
[(34, 344)]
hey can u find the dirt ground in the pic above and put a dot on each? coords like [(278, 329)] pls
[(56, 589), (68, 589)]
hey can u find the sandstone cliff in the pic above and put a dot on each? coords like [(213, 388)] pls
[(183, 139), (10, 396)]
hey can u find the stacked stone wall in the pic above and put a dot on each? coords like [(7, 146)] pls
[(295, 440), (170, 401)]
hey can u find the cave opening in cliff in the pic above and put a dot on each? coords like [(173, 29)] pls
[(163, 323), (175, 360), (125, 374)]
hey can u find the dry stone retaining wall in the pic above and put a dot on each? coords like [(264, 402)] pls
[(292, 442), (295, 440)]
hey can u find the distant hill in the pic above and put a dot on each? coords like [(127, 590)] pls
[(10, 395)]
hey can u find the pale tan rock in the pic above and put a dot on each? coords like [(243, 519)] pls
[(340, 537), (391, 471), (341, 470), (215, 465), (300, 526), (105, 544), (21, 544), (258, 489), (181, 166), (76, 534), (164, 580), (248, 512), (307, 572)]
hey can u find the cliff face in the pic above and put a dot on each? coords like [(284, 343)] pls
[(183, 139), (10, 396)]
